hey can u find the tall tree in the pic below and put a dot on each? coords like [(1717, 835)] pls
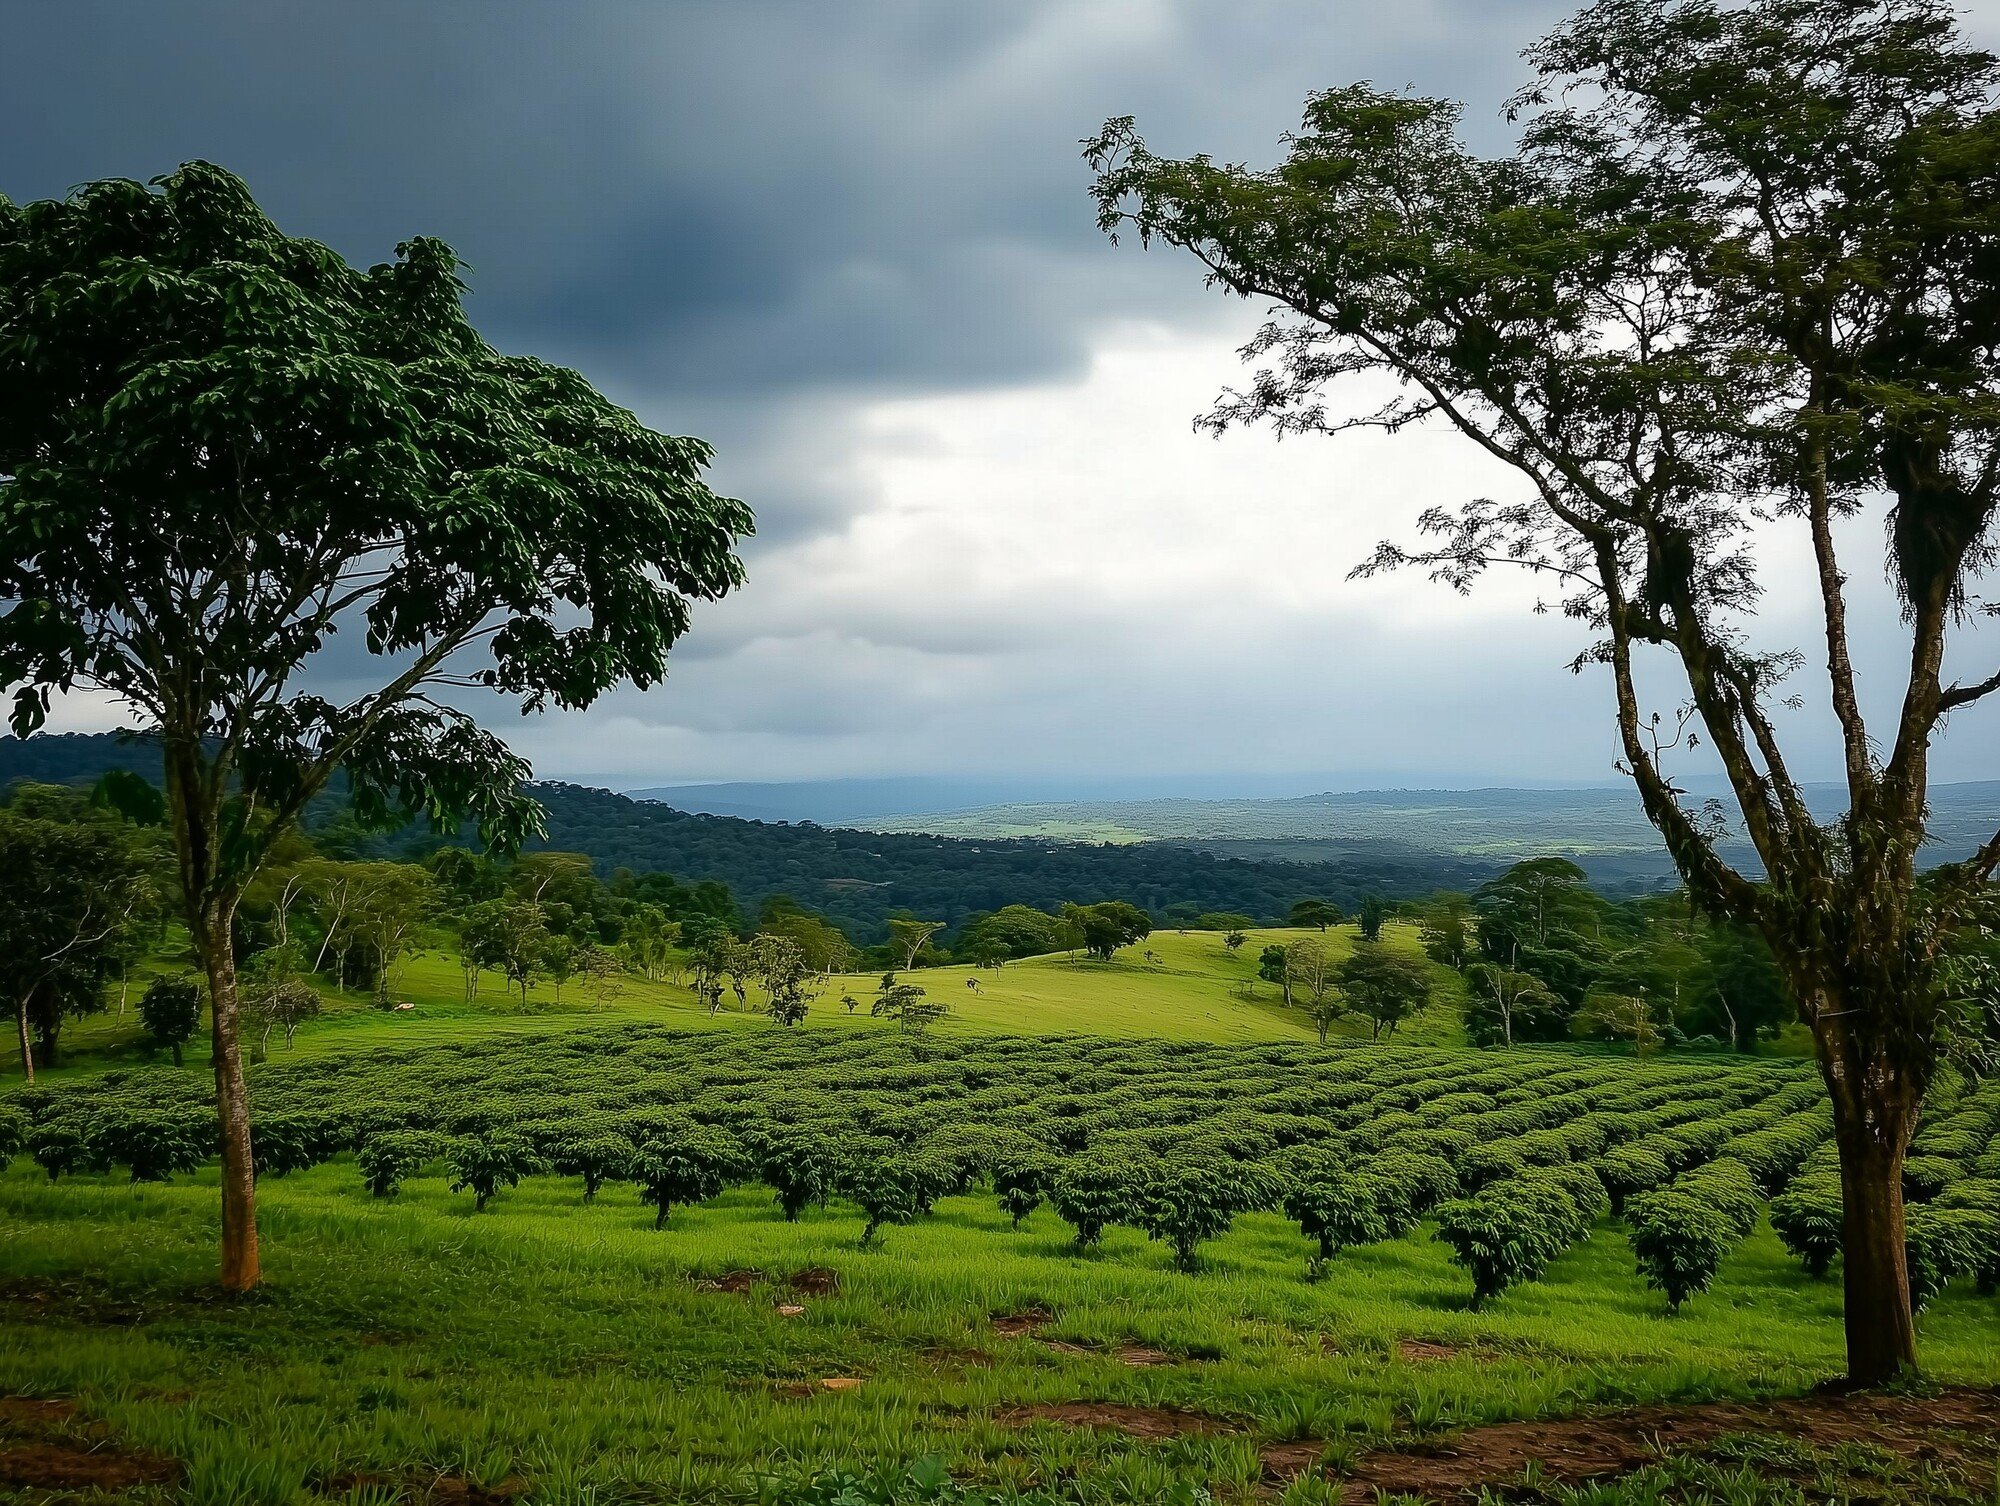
[(67, 890), (220, 444), (1740, 268)]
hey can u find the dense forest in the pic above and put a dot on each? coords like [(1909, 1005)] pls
[(856, 878)]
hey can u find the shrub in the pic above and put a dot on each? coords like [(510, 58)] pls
[(13, 1134), (483, 1164), (1089, 1192), (170, 1011), (1335, 1205), (1807, 1218), (58, 1148), (1187, 1201), (285, 1143), (1509, 1231), (1021, 1182), (1627, 1169), (1944, 1243), (1924, 1177), (1408, 1185), (888, 1188), (596, 1157), (689, 1166), (152, 1145), (799, 1165), (1680, 1233), (386, 1161)]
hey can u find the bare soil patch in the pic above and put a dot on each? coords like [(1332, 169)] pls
[(1151, 1423), (77, 1467), (437, 1490), (814, 1281), (733, 1281), (19, 1413), (1420, 1351), (1143, 1356), (1955, 1427), (1022, 1324)]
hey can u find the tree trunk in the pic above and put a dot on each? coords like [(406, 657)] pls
[(232, 1108), (27, 1041), (1881, 1328)]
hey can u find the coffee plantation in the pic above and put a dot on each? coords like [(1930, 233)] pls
[(1515, 1158)]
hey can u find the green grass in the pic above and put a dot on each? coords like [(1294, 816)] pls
[(572, 1347)]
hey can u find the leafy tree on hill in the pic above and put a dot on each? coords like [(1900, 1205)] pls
[(1312, 978), (1109, 925), (1273, 966), (1315, 914), (505, 936), (1370, 917), (909, 936), (1502, 1007), (220, 444), (780, 965), (1735, 279), (1445, 936), (170, 1012), (1383, 986)]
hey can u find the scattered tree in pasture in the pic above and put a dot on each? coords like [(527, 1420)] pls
[(602, 972), (912, 1010), (1109, 926), (1502, 1006), (780, 966), (170, 1013), (1384, 987), (1315, 914), (338, 450), (1310, 975), (1735, 279), (1445, 935), (1370, 917), (1233, 940), (648, 939), (1273, 966), (483, 1164), (909, 936), (1611, 1016), (277, 1003), (689, 1165), (508, 937)]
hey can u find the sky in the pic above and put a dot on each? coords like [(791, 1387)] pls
[(851, 245)]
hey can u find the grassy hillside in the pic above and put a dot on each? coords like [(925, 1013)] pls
[(1195, 989)]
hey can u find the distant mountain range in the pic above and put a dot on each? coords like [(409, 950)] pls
[(1604, 830)]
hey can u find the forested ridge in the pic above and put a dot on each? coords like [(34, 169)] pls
[(856, 878)]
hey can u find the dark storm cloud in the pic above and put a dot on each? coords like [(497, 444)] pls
[(695, 198)]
